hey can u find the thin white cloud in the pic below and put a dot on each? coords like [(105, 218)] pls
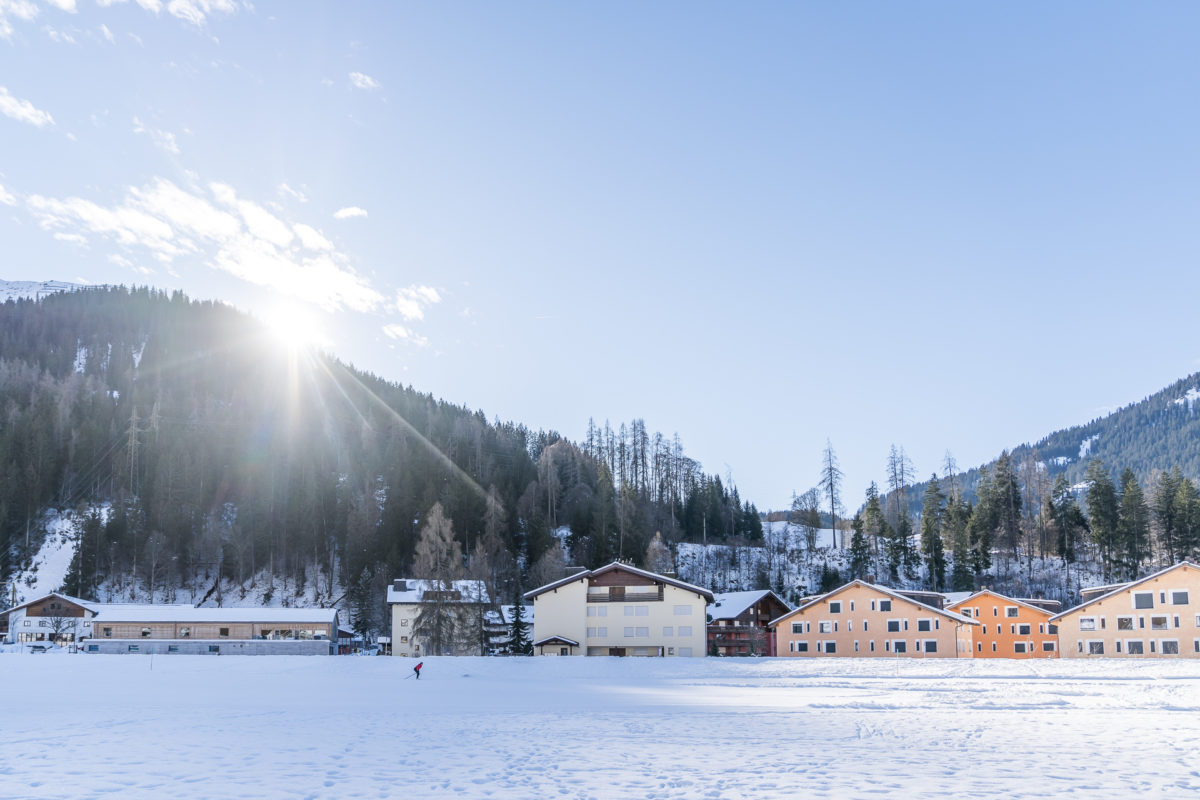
[(238, 236), (59, 37), (23, 110), (163, 140), (296, 194), (403, 334), (412, 302), (23, 10), (362, 81), (6, 197), (62, 5), (108, 34), (349, 211), (194, 12), (74, 238)]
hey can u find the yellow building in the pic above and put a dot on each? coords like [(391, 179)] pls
[(1010, 628), (619, 610), (1155, 617), (861, 619)]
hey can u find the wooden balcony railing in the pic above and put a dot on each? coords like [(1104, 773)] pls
[(654, 595)]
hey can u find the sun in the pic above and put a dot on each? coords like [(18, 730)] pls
[(293, 326)]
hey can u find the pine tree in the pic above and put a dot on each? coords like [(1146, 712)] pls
[(1103, 512), (831, 485), (1066, 520), (860, 550), (1165, 510), (1133, 525), (518, 640), (1006, 503), (932, 546), (958, 514)]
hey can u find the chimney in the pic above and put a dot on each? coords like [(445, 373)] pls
[(400, 586)]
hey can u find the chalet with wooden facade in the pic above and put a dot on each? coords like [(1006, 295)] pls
[(619, 610), (1155, 617), (863, 620), (51, 619), (1008, 627), (739, 623)]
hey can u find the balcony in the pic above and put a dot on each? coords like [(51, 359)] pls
[(622, 594)]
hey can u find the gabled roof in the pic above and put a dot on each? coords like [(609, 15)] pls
[(562, 639), (88, 604), (1003, 597), (470, 591), (882, 590), (731, 605), (616, 565), (1125, 587)]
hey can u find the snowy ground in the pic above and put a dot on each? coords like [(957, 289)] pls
[(182, 726)]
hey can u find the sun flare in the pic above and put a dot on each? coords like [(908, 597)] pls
[(294, 327)]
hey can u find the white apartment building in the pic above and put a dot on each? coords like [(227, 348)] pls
[(619, 610)]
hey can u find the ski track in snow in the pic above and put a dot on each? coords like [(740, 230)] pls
[(276, 727)]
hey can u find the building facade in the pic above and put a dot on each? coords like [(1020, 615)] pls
[(439, 619), (863, 620), (1009, 628), (739, 623), (620, 610), (1155, 617), (51, 619)]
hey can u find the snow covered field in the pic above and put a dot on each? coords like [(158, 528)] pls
[(294, 727)]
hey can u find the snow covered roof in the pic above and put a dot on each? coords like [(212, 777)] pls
[(1002, 597), (616, 565), (1125, 587), (159, 612), (550, 639), (409, 590), (883, 590), (87, 604), (730, 605)]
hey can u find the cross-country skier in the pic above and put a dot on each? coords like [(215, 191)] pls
[(417, 669)]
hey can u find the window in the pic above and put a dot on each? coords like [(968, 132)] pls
[(1087, 623), (1170, 647), (885, 605), (824, 626), (984, 628), (924, 624), (172, 648), (864, 624), (641, 611), (835, 607), (1051, 629), (1095, 648), (1179, 598), (930, 646), (1158, 623), (107, 633), (899, 647), (995, 611), (797, 627), (685, 630), (629, 632), (404, 622), (856, 645), (993, 647), (1012, 629), (801, 647), (1047, 647), (669, 630), (214, 648), (1019, 647), (1143, 599), (670, 651), (686, 652), (831, 647), (93, 648), (185, 632), (223, 633), (682, 611), (133, 648), (27, 623), (642, 633), (1124, 623), (591, 632), (851, 605), (905, 624), (145, 633), (1133, 647), (592, 611), (1010, 611), (893, 625), (873, 645), (966, 612), (1023, 630)]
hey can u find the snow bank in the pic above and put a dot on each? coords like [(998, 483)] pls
[(276, 727)]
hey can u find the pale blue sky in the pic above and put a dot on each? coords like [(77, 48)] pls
[(937, 225)]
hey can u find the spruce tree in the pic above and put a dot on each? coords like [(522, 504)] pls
[(860, 550), (518, 640), (932, 546), (1103, 512), (1133, 525)]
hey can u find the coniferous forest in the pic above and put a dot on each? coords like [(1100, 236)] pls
[(230, 460)]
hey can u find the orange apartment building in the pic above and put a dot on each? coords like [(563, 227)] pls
[(1009, 628), (861, 619)]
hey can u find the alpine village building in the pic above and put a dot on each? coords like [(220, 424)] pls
[(739, 623), (619, 610), (862, 620), (1010, 628)]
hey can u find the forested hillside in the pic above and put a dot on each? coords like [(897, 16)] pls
[(233, 461)]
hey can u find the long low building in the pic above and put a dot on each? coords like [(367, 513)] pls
[(168, 628)]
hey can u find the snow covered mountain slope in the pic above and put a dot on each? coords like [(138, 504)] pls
[(34, 290)]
